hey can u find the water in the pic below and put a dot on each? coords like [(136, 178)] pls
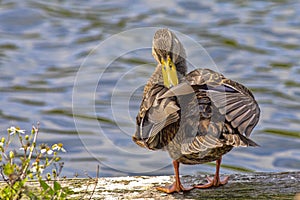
[(53, 53)]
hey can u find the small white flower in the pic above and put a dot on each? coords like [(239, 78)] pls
[(24, 148), (46, 150), (13, 130), (21, 131), (58, 147), (49, 152), (41, 168), (37, 168), (33, 169)]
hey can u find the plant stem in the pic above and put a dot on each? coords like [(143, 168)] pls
[(31, 149)]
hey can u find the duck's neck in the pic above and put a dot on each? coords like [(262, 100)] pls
[(157, 76), (181, 68)]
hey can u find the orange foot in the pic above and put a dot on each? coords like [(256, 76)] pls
[(174, 188), (215, 182)]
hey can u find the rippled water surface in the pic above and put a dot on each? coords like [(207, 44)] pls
[(54, 52)]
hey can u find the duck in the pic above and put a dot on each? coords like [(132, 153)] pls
[(196, 117)]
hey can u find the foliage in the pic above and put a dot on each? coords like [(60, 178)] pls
[(29, 162)]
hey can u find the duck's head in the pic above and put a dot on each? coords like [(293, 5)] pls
[(169, 52)]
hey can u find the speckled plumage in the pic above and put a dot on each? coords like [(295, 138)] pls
[(204, 128), (198, 120)]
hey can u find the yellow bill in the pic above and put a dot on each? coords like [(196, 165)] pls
[(169, 73)]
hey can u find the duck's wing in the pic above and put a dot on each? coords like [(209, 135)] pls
[(155, 114), (234, 111)]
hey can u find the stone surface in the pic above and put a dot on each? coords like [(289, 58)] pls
[(240, 186)]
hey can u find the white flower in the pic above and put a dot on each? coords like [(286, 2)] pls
[(23, 149), (46, 150), (37, 168), (13, 130), (58, 147), (21, 131)]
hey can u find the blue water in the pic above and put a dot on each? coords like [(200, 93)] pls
[(78, 67)]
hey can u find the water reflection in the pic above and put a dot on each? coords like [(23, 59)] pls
[(44, 45)]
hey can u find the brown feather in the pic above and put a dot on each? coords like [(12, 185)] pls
[(201, 118)]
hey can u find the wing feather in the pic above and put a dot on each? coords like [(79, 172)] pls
[(155, 114), (232, 100)]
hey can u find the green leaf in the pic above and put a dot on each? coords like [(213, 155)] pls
[(57, 186), (46, 188), (8, 169), (68, 191), (44, 185)]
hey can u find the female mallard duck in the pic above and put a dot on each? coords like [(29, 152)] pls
[(197, 117)]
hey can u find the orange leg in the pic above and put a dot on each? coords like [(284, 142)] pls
[(216, 181), (176, 186)]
